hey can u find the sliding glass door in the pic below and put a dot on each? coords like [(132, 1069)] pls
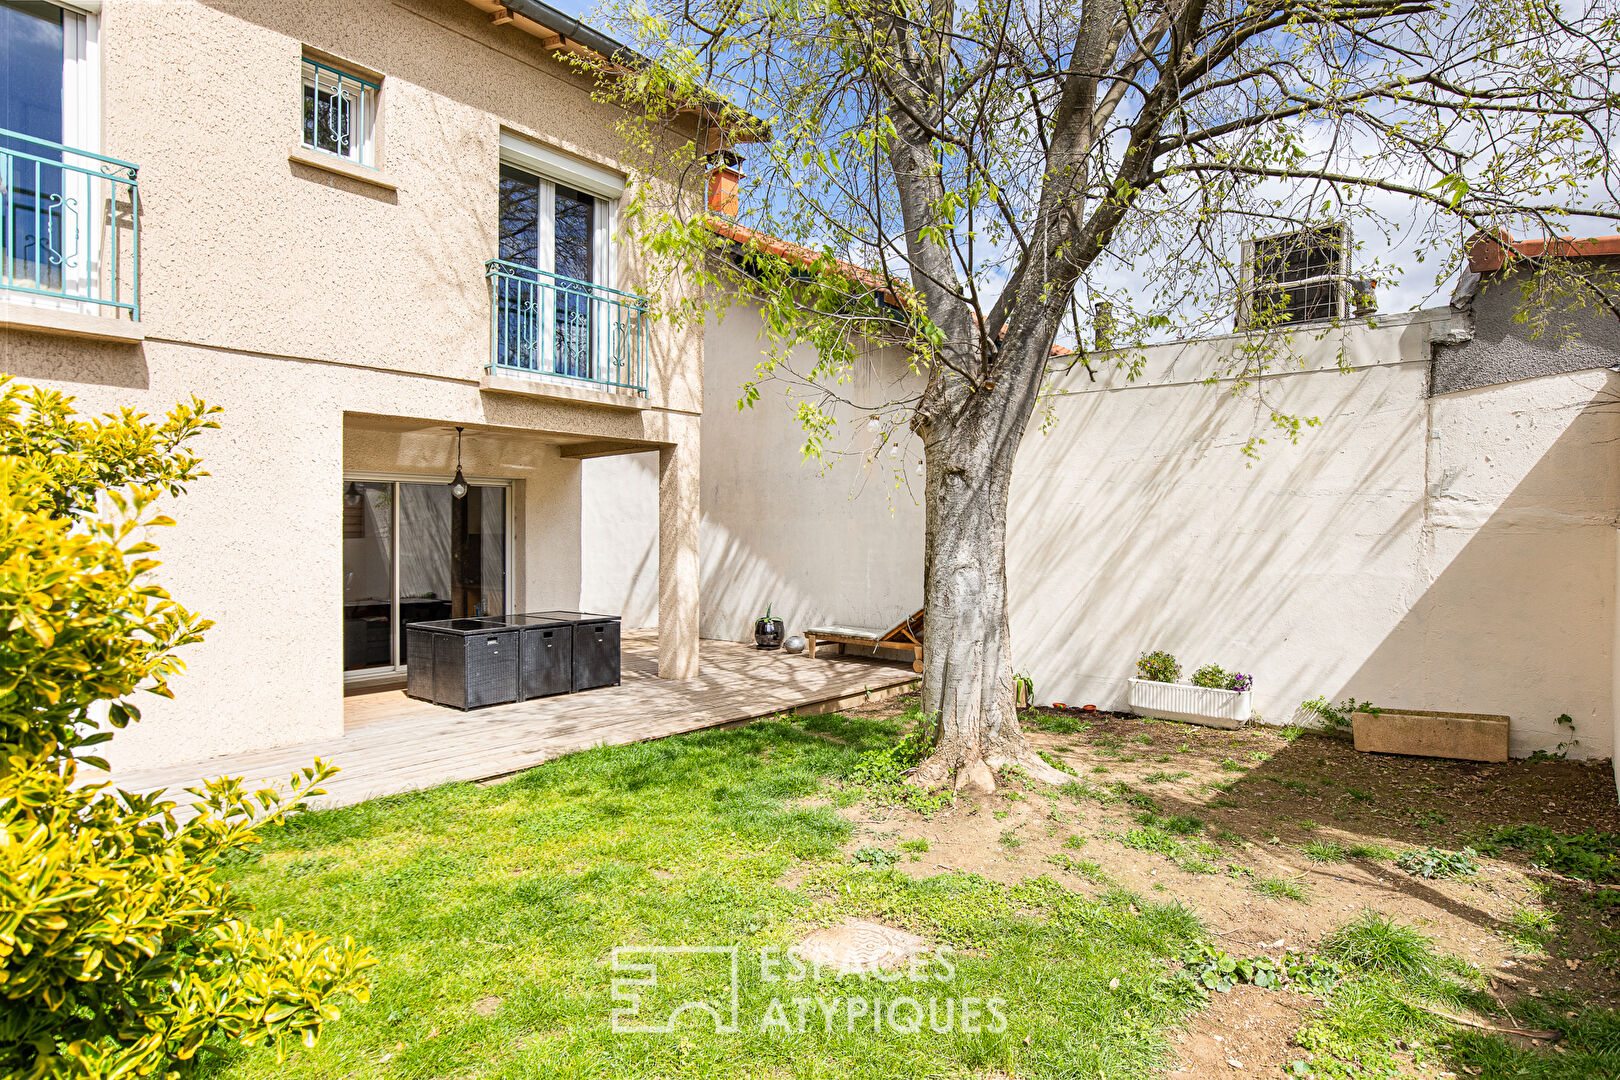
[(413, 552)]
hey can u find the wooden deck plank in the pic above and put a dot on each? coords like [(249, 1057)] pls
[(392, 743)]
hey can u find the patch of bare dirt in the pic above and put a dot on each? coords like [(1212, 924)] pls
[(1247, 1032), (1262, 799)]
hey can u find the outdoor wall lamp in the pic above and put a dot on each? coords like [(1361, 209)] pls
[(458, 486)]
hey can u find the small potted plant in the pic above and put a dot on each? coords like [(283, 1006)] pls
[(1214, 696), (1023, 690), (768, 631)]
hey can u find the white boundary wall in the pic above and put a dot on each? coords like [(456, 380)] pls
[(1453, 553)]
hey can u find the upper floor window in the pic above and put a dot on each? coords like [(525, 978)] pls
[(556, 212), (1295, 277), (68, 216), (51, 87), (556, 309), (339, 112)]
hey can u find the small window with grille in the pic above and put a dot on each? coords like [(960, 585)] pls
[(339, 112), (1296, 277)]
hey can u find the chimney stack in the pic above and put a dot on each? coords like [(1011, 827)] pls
[(723, 199), (1103, 326)]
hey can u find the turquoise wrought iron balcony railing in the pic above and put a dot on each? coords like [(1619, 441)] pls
[(546, 324), (69, 225)]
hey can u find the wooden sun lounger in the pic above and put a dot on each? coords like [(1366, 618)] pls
[(905, 636)]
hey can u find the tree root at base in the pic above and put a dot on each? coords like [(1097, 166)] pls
[(976, 775)]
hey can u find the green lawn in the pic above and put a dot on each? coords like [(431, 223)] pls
[(493, 911)]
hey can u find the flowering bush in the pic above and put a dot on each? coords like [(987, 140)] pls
[(1239, 681), (1211, 677), (1158, 666)]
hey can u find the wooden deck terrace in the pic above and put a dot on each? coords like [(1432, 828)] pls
[(392, 743)]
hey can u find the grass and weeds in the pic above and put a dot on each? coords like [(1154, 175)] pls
[(879, 773), (1590, 856), (875, 857), (1211, 969), (1370, 850), (1175, 837), (1396, 1002), (1323, 851), (493, 912), (1531, 928), (1161, 777), (1057, 723), (1086, 868), (1281, 889), (1055, 762), (1434, 863)]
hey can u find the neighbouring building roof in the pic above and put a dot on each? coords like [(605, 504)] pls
[(798, 254), (1489, 253), (886, 289)]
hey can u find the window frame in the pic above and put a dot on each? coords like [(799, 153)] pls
[(362, 91), (552, 169), (1340, 279), (81, 106)]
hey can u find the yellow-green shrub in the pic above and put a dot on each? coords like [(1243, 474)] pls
[(121, 955)]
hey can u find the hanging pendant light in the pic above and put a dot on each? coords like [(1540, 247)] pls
[(458, 486)]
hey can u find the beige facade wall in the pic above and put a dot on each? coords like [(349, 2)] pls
[(838, 540), (343, 325), (619, 526), (247, 249), (1449, 553)]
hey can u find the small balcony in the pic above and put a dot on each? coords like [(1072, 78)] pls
[(69, 229), (559, 330)]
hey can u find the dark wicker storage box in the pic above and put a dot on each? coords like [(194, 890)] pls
[(596, 647), (471, 663)]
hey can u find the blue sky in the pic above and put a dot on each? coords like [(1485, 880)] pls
[(579, 10)]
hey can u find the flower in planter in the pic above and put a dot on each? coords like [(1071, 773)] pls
[(1239, 681), (1158, 666), (1211, 677)]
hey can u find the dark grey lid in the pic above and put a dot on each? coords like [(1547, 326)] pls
[(573, 616), (531, 619), (461, 626)]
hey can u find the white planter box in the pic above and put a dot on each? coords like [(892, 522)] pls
[(1195, 704)]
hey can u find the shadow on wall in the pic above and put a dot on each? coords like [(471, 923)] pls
[(838, 540), (1135, 525), (1520, 617), (1329, 567), (48, 358), (817, 554)]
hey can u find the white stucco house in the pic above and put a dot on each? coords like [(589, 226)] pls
[(387, 239)]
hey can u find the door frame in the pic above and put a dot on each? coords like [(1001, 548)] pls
[(394, 669)]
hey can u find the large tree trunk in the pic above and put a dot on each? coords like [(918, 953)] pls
[(967, 665)]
